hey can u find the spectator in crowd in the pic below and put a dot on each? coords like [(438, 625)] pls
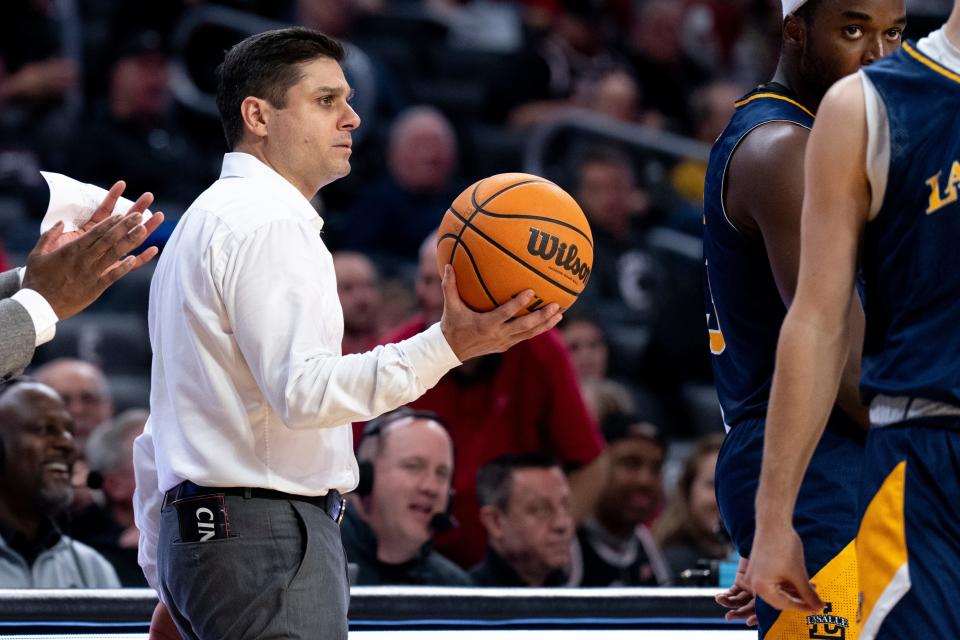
[(618, 96), (526, 399), (589, 351), (587, 345), (39, 80), (479, 25), (84, 390), (109, 528), (37, 452), (390, 218), (645, 288), (711, 107), (358, 287), (668, 74), (135, 133), (616, 548), (559, 71), (689, 529), (525, 509), (406, 460), (605, 396)]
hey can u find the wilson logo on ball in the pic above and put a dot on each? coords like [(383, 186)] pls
[(549, 247)]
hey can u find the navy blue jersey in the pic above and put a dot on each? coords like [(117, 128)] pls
[(911, 250), (743, 305)]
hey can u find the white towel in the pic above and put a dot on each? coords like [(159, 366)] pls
[(74, 202)]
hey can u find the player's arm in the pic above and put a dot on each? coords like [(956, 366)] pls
[(765, 196), (814, 340)]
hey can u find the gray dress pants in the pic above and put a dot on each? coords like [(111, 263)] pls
[(281, 574)]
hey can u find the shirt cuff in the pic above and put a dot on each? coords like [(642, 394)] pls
[(42, 314), (430, 355)]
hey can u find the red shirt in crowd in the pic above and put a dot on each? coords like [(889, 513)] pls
[(524, 400)]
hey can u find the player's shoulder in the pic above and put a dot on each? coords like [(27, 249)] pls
[(772, 146), (845, 97), (846, 90)]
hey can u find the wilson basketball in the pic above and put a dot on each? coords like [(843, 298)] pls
[(515, 231)]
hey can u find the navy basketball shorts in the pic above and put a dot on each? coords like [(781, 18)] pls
[(908, 545), (826, 519)]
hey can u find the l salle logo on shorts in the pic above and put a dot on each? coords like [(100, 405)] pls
[(824, 626)]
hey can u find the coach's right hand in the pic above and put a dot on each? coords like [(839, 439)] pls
[(471, 334)]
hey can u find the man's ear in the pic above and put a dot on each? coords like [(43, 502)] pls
[(794, 32), (256, 113), (492, 521)]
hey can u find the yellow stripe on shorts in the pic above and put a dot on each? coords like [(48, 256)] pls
[(837, 586), (882, 552)]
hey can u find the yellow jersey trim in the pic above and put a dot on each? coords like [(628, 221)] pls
[(774, 96), (924, 60)]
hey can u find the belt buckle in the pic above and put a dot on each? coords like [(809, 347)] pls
[(343, 509)]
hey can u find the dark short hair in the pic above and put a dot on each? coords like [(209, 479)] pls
[(495, 478), (266, 65), (618, 426)]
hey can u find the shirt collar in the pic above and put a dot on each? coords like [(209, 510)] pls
[(506, 576), (237, 164)]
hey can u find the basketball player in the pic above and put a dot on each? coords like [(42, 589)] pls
[(883, 170), (753, 199)]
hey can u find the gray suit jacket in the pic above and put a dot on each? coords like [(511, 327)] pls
[(17, 333)]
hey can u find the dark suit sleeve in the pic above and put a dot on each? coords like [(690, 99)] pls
[(16, 328)]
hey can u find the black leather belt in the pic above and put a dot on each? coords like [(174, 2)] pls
[(333, 503)]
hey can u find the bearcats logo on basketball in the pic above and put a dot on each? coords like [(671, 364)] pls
[(566, 255)]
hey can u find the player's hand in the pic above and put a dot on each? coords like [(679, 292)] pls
[(739, 599), (777, 573), (104, 211), (72, 276), (471, 334)]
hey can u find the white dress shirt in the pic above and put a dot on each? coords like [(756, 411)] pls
[(248, 385), (43, 316)]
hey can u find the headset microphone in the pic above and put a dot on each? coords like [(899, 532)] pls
[(94, 480), (443, 521)]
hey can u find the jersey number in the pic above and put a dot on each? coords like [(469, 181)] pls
[(717, 343)]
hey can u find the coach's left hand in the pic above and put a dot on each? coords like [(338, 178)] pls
[(471, 334)]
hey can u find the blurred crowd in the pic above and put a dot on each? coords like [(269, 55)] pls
[(582, 457)]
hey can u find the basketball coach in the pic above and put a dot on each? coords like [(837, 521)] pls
[(240, 467)]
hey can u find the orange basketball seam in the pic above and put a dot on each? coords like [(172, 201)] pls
[(477, 207), (466, 223), (528, 216), (479, 275)]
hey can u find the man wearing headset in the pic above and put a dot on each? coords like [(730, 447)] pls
[(406, 466), (37, 452)]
